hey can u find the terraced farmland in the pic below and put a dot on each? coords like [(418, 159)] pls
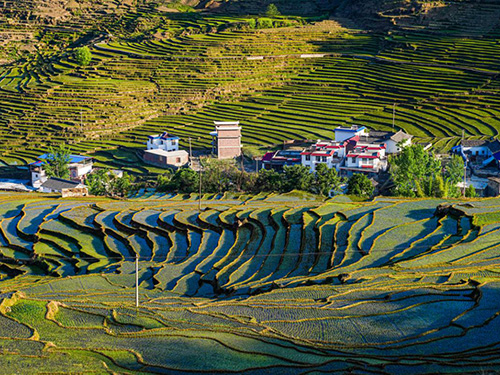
[(254, 284), (154, 70)]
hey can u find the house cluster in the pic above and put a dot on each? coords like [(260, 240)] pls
[(163, 149), (354, 150), (482, 165), (78, 167)]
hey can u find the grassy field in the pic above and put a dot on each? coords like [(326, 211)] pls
[(255, 284), (154, 69)]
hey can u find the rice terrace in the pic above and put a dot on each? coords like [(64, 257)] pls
[(249, 186)]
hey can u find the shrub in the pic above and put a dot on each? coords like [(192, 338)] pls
[(272, 11), (359, 185), (83, 56)]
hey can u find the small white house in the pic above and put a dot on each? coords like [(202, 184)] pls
[(164, 141), (64, 187), (396, 141), (79, 167)]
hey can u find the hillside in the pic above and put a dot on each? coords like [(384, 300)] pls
[(264, 284), (178, 66)]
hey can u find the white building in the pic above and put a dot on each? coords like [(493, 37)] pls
[(64, 187), (397, 140), (365, 158), (79, 167), (164, 141), (331, 153)]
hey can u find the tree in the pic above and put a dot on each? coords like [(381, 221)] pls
[(413, 171), (163, 182), (98, 182), (470, 191), (297, 177), (83, 56), (56, 163), (359, 185), (268, 180), (454, 172), (120, 185), (185, 180), (272, 11), (325, 180)]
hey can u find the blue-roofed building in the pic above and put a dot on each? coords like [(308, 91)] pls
[(164, 141), (79, 167)]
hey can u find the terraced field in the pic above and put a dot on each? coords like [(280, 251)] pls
[(254, 284), (154, 70)]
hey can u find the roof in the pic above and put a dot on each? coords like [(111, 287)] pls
[(167, 153), (400, 136), (59, 184), (474, 142), (226, 123), (164, 136), (494, 146), (268, 156), (352, 129), (72, 159)]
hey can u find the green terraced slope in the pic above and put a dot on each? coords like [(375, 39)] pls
[(268, 284), (154, 69)]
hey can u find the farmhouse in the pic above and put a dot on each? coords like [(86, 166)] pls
[(79, 167), (65, 187), (278, 159), (226, 139), (166, 159), (163, 151), (164, 141)]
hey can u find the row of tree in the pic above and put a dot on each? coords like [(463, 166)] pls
[(418, 173), (219, 177)]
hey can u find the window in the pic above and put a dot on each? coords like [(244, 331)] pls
[(323, 159), (308, 157), (178, 160), (318, 158)]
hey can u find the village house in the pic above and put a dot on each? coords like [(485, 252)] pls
[(64, 187), (163, 151), (226, 139), (164, 141), (166, 159), (79, 167), (277, 160), (356, 150)]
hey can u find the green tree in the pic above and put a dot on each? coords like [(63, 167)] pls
[(359, 185), (272, 11), (121, 186), (325, 180), (454, 172), (268, 180), (56, 163), (297, 177), (470, 191), (163, 182), (185, 180), (83, 56), (98, 182), (413, 171)]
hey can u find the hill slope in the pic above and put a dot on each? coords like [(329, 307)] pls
[(156, 68)]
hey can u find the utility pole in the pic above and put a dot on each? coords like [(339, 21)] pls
[(465, 161), (256, 165), (136, 280), (199, 192), (393, 116), (190, 154)]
